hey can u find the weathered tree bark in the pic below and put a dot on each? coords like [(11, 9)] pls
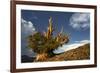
[(41, 57)]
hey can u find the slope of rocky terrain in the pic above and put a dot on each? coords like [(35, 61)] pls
[(80, 53)]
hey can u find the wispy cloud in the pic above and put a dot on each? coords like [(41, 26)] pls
[(35, 17), (74, 45), (80, 20), (83, 41)]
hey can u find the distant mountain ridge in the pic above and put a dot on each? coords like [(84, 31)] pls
[(26, 59)]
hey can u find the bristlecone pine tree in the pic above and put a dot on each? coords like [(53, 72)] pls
[(45, 43)]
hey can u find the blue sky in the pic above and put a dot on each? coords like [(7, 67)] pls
[(76, 24)]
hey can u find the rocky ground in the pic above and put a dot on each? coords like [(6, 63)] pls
[(80, 53)]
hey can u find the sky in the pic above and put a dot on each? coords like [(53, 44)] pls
[(75, 24)]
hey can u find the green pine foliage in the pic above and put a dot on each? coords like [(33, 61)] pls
[(39, 44), (45, 43)]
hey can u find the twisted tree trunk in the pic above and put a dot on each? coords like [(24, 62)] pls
[(41, 57)]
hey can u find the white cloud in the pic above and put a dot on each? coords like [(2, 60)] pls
[(80, 20), (83, 41), (67, 47), (27, 27)]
